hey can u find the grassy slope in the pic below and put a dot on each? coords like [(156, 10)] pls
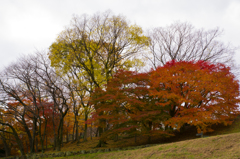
[(225, 146)]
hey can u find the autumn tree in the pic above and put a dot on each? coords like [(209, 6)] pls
[(196, 93), (57, 90), (6, 143), (7, 125), (95, 47), (20, 93), (178, 93), (182, 42), (31, 90), (79, 90), (127, 107)]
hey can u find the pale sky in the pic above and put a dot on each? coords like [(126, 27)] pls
[(30, 25)]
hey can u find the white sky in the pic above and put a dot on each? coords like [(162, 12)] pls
[(30, 25)]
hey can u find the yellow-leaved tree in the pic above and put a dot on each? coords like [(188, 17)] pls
[(92, 48)]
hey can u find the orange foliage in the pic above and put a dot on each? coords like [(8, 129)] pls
[(197, 93), (179, 93)]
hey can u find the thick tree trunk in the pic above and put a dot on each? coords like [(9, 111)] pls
[(102, 123), (58, 142), (59, 136)]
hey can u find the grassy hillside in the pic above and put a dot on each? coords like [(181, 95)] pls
[(188, 134), (224, 142), (223, 146)]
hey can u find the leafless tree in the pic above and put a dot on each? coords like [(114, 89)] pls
[(181, 41), (58, 92), (31, 83), (19, 86)]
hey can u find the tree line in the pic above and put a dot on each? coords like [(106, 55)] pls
[(97, 71)]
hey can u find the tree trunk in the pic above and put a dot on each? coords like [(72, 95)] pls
[(100, 131), (36, 144), (46, 141), (54, 132), (101, 142), (42, 137), (91, 131), (150, 128), (26, 147), (59, 135), (33, 134), (30, 138), (77, 134), (18, 140), (97, 133), (85, 126), (74, 125), (6, 146)]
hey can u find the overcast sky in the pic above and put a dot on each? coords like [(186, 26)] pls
[(30, 25)]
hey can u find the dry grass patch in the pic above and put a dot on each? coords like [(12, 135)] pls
[(224, 146), (189, 148)]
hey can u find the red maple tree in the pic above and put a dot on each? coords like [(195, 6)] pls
[(196, 93), (178, 93)]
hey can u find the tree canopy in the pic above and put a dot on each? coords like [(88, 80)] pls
[(181, 41), (178, 93), (98, 45), (197, 93)]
